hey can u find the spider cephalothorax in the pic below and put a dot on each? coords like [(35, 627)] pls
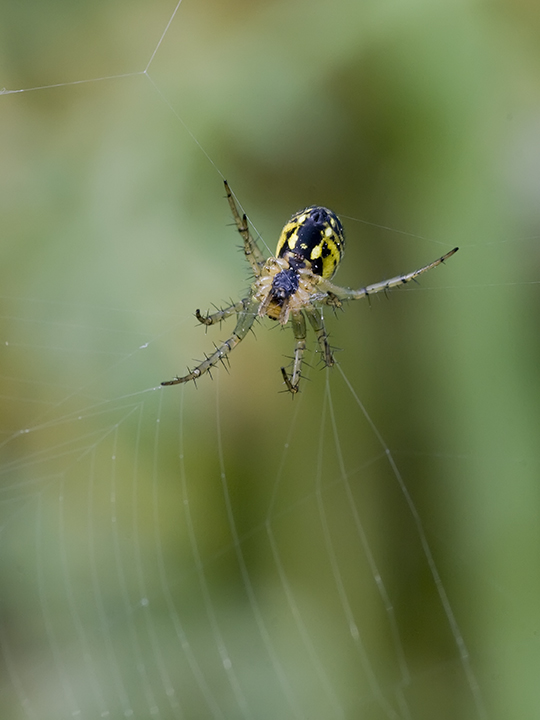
[(293, 285)]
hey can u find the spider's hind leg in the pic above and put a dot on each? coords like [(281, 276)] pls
[(317, 323), (223, 314), (246, 318), (299, 329)]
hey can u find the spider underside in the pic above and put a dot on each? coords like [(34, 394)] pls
[(292, 286)]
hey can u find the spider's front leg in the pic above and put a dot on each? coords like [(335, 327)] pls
[(246, 318), (333, 294), (253, 255), (299, 329)]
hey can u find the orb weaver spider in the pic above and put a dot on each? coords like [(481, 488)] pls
[(293, 286)]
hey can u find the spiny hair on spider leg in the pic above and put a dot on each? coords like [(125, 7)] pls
[(291, 361), (303, 378), (226, 365), (335, 308), (223, 359), (320, 358), (274, 327), (296, 388)]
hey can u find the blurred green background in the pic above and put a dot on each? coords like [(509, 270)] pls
[(201, 553)]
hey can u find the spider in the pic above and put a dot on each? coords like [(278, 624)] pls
[(293, 286)]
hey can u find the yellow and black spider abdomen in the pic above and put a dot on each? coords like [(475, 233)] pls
[(315, 234)]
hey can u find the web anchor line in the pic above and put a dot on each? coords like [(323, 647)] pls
[(445, 602)]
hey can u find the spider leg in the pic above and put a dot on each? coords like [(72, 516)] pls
[(246, 318), (253, 255), (316, 320), (213, 318), (299, 329), (332, 291)]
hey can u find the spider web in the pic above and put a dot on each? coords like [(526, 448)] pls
[(367, 550)]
